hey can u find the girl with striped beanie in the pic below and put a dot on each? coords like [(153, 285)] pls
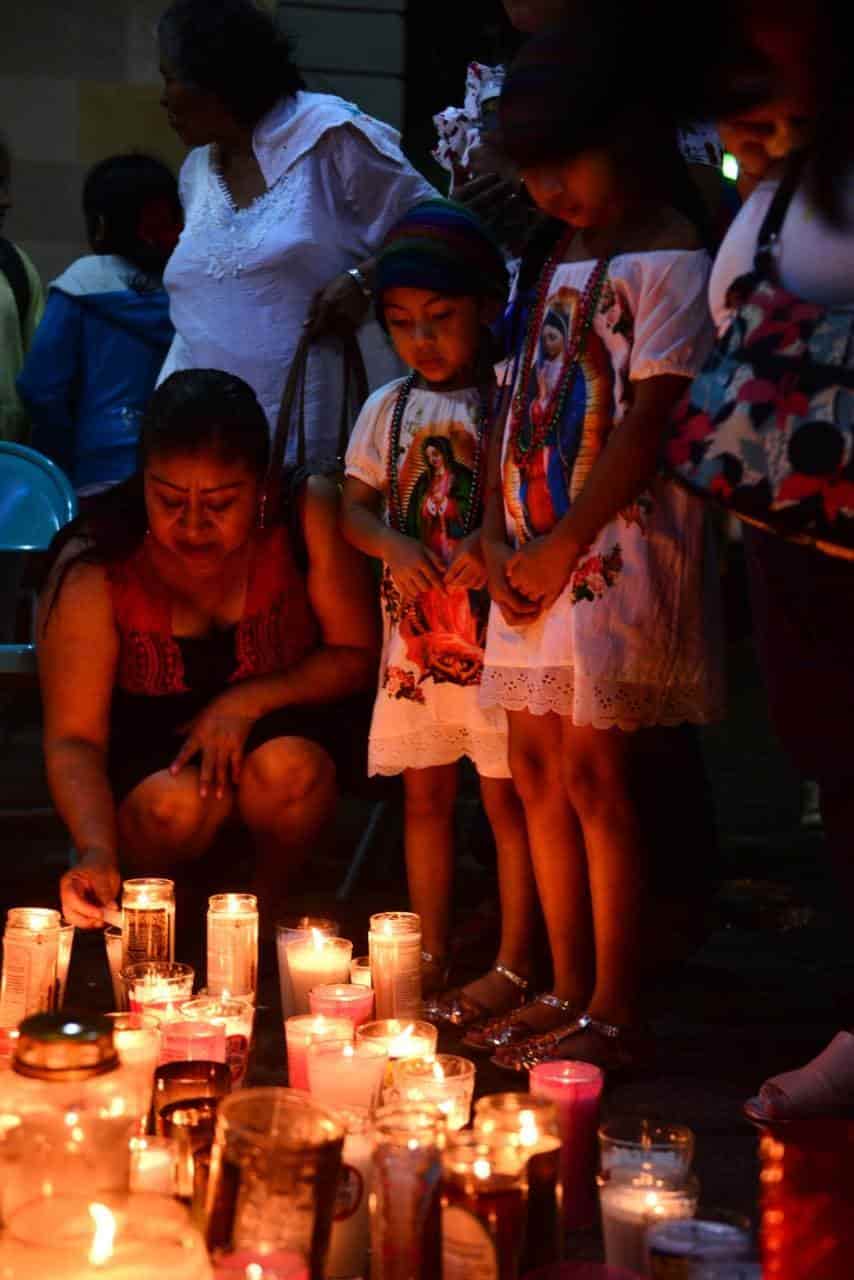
[(413, 498)]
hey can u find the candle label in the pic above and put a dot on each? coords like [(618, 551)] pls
[(29, 978), (147, 935), (236, 1054), (349, 1193), (468, 1252)]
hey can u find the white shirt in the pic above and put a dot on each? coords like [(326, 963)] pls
[(815, 262), (241, 280)]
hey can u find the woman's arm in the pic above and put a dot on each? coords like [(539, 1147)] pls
[(627, 464), (77, 652), (414, 567)]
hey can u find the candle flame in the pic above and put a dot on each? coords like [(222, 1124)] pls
[(348, 1051), (318, 939), (105, 1233), (407, 1032), (438, 1071), (482, 1169), (529, 1133)]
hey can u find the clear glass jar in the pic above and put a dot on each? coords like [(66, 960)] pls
[(67, 1111), (148, 920), (30, 958), (394, 944), (483, 1211), (406, 1232), (233, 945)]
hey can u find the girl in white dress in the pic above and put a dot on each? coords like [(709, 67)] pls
[(412, 498), (601, 636)]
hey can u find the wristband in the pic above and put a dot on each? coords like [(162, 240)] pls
[(355, 274)]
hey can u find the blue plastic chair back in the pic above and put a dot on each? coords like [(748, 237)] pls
[(36, 499)]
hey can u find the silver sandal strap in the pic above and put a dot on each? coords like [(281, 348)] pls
[(555, 1002), (516, 978), (427, 957)]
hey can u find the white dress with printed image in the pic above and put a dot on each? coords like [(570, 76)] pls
[(634, 639), (427, 710)]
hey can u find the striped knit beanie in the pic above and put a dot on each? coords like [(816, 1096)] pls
[(442, 246)]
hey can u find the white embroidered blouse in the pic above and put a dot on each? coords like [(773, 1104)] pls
[(241, 280)]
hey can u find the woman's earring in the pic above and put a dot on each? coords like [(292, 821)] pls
[(262, 510)]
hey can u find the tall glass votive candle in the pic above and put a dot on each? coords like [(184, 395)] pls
[(631, 1204), (63, 959), (30, 952), (360, 971), (400, 1039), (188, 1082), (317, 961), (632, 1144), (114, 942), (158, 986), (406, 1230), (136, 1036), (148, 920), (394, 942), (305, 1029), (483, 1211), (233, 945), (343, 1000), (346, 1075), (184, 1040), (446, 1081), (236, 1017), (575, 1088), (293, 929), (350, 1240)]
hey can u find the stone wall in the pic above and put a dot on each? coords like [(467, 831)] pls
[(78, 81)]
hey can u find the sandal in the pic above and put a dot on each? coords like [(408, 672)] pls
[(457, 1009), (434, 973), (512, 1028), (585, 1039)]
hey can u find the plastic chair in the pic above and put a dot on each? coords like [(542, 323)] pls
[(36, 500)]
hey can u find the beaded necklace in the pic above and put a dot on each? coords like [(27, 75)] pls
[(525, 438), (395, 506)]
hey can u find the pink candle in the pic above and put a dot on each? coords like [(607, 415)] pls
[(306, 1029), (575, 1088), (192, 1042), (261, 1266), (343, 1000)]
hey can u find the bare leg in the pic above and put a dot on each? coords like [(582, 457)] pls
[(429, 798), (164, 821), (596, 772), (287, 794), (557, 852), (517, 891)]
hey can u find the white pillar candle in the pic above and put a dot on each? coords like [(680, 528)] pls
[(630, 1205), (394, 942), (114, 942), (317, 961), (360, 971), (30, 951), (183, 1040), (351, 1223), (237, 1018), (343, 1000), (63, 959), (304, 1029), (445, 1080), (152, 1165), (296, 928), (346, 1075), (148, 920), (233, 945), (136, 1037)]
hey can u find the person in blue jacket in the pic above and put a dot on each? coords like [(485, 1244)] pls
[(95, 357)]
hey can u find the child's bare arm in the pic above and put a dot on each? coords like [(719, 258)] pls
[(414, 567)]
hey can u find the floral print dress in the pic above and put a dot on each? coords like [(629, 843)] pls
[(427, 709), (634, 639)]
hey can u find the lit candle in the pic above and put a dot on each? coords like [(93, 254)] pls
[(360, 971), (575, 1088), (152, 1165), (63, 959), (136, 1037), (351, 1223), (346, 1075), (115, 944), (445, 1081), (236, 1017), (394, 942), (304, 1029), (233, 945), (192, 1041), (30, 951), (634, 1144), (343, 1000), (112, 1239), (148, 920), (316, 961), (158, 987), (400, 1039), (294, 929), (630, 1205), (277, 1265)]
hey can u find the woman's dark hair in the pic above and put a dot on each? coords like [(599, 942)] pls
[(590, 86), (132, 208), (233, 49), (195, 411), (443, 444)]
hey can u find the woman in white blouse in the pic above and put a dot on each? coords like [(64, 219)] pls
[(286, 195)]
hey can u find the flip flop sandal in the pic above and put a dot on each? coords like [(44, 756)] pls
[(512, 1028), (457, 1009)]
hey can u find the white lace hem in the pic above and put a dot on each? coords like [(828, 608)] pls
[(602, 705), (440, 745)]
